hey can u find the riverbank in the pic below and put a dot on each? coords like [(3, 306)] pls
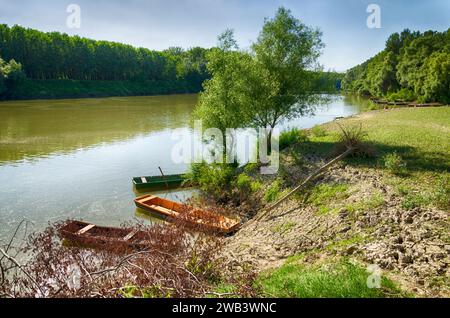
[(29, 89), (366, 212)]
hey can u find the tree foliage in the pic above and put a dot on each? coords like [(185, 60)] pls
[(56, 56), (275, 80), (285, 53), (413, 65), (10, 74)]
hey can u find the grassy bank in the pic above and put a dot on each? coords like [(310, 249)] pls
[(329, 279), (412, 149), (57, 89), (389, 209)]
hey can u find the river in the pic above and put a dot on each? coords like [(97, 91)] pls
[(62, 159)]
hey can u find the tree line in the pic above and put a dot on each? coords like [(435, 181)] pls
[(37, 64), (57, 56), (414, 66)]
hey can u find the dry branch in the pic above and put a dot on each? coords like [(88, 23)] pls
[(310, 178), (19, 266)]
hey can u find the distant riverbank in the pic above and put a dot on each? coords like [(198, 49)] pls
[(29, 89)]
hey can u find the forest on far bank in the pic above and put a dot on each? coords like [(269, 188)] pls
[(413, 66), (35, 64)]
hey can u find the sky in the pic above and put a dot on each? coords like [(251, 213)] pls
[(159, 24)]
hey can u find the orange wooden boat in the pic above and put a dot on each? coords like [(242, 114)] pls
[(196, 217)]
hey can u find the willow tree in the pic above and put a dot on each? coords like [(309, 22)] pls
[(283, 85), (271, 82), (221, 104)]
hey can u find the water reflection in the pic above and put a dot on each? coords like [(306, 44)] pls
[(30, 129), (75, 158)]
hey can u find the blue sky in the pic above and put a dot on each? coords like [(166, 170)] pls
[(159, 24)]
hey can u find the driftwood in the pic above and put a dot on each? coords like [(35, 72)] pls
[(310, 178)]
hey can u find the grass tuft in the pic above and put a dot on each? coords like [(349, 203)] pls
[(329, 280)]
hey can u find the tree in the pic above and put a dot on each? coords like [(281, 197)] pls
[(10, 75), (285, 53), (57, 56), (270, 83), (436, 82), (413, 65), (220, 104), (2, 78)]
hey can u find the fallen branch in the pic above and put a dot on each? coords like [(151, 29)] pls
[(15, 262), (310, 178), (220, 295), (12, 238)]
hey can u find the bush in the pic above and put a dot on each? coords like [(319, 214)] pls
[(273, 192), (214, 179), (354, 137), (318, 131), (251, 168), (402, 95), (395, 164), (173, 265), (292, 137), (244, 183)]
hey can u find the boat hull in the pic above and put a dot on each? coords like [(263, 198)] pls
[(156, 182), (102, 237), (174, 212)]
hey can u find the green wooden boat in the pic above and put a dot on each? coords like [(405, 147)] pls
[(159, 182)]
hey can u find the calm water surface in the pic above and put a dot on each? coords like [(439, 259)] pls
[(75, 158)]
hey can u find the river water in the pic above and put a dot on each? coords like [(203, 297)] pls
[(75, 158)]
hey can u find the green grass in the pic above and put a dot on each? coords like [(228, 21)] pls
[(373, 202), (319, 131), (342, 279), (274, 192), (323, 194), (292, 137), (346, 242), (419, 136), (283, 228)]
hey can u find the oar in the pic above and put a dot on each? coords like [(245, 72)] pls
[(164, 178)]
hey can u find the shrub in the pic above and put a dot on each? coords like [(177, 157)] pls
[(173, 265), (244, 183), (354, 137), (292, 137), (402, 95), (318, 131), (273, 192), (251, 168), (214, 179), (394, 163), (256, 186)]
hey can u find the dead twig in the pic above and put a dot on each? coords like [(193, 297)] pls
[(220, 295), (19, 266)]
